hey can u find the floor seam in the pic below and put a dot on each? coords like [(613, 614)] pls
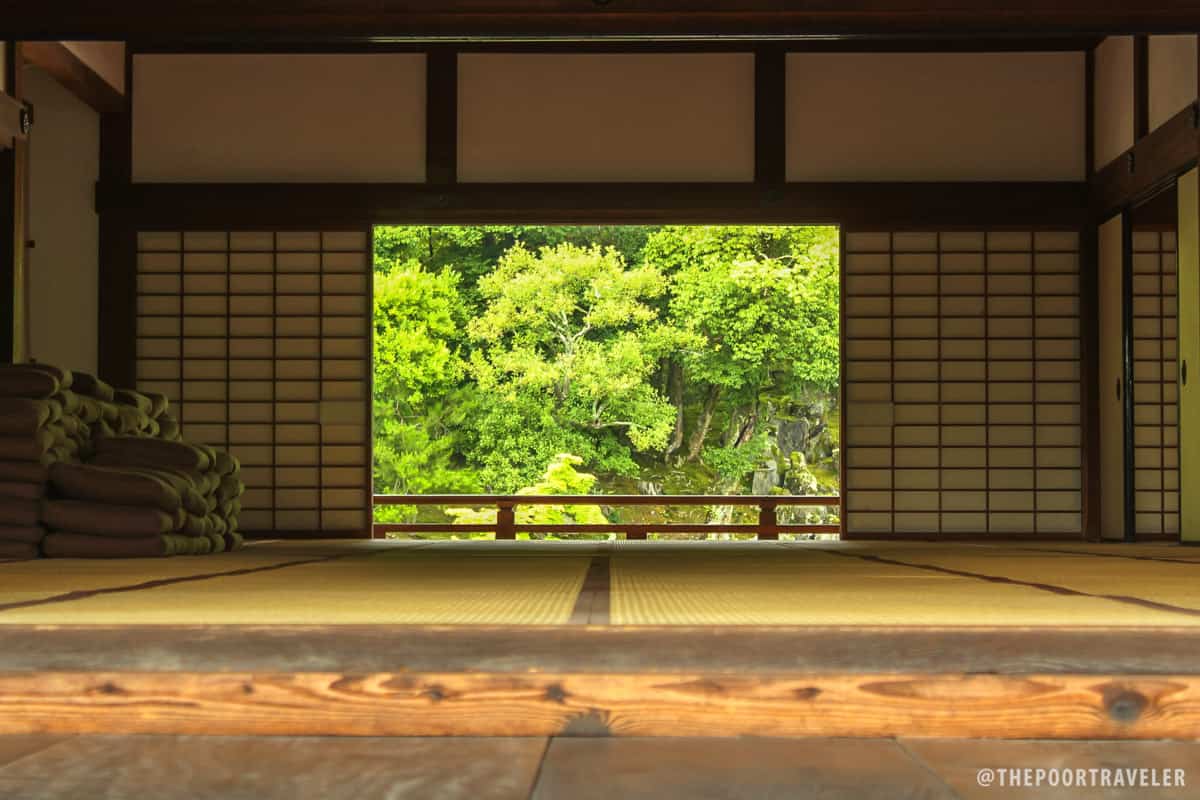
[(84, 594), (1045, 587), (537, 773), (924, 765)]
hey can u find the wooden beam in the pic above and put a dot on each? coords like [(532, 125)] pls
[(927, 206), (1089, 378), (770, 116), (441, 116), (1030, 706), (1141, 87), (117, 325), (80, 79), (1152, 163), (343, 19)]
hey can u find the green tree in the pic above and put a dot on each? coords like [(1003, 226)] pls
[(420, 393), (564, 352), (757, 310), (559, 478)]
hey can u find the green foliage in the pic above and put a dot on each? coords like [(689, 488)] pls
[(677, 358), (566, 344), (419, 394), (560, 478)]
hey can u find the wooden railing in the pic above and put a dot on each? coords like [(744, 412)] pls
[(506, 526)]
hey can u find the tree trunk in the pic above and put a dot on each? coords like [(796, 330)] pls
[(675, 393), (696, 444)]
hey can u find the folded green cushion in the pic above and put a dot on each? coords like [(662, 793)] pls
[(32, 447), (24, 471), (20, 512), (87, 384), (115, 486), (154, 453), (22, 491), (99, 519), (76, 545), (129, 397), (26, 534), (17, 551), (22, 416), (28, 380)]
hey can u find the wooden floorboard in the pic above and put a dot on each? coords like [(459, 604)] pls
[(764, 650), (732, 769), (265, 768), (554, 704), (13, 748)]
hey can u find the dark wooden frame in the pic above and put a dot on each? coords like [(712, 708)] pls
[(197, 20), (80, 79), (506, 527), (14, 176)]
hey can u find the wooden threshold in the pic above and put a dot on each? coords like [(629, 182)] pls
[(586, 681)]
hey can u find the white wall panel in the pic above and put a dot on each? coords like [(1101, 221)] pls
[(64, 281), (279, 118), (1172, 76), (935, 116), (1114, 98), (606, 117)]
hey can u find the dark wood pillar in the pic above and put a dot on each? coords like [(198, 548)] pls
[(14, 177), (117, 335)]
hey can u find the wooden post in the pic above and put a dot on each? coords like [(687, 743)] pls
[(506, 521), (768, 522)]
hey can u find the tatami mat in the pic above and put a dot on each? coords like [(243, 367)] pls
[(382, 585), (631, 583)]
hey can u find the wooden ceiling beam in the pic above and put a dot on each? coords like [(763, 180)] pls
[(81, 80), (330, 20)]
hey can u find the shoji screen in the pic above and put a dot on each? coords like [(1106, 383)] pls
[(1155, 387), (1189, 352), (262, 343), (1112, 381), (962, 383)]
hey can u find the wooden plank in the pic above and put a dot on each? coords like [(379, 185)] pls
[(1163, 155), (735, 769), (327, 20), (80, 79), (441, 116), (900, 206), (770, 112), (604, 500), (296, 768), (1059, 706), (762, 650)]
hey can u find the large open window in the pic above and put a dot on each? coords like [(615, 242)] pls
[(632, 361)]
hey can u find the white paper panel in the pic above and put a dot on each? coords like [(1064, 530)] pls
[(279, 118), (1172, 76), (606, 117), (935, 116), (962, 383), (1114, 98)]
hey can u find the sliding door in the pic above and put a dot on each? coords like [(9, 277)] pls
[(1112, 379), (1189, 352)]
